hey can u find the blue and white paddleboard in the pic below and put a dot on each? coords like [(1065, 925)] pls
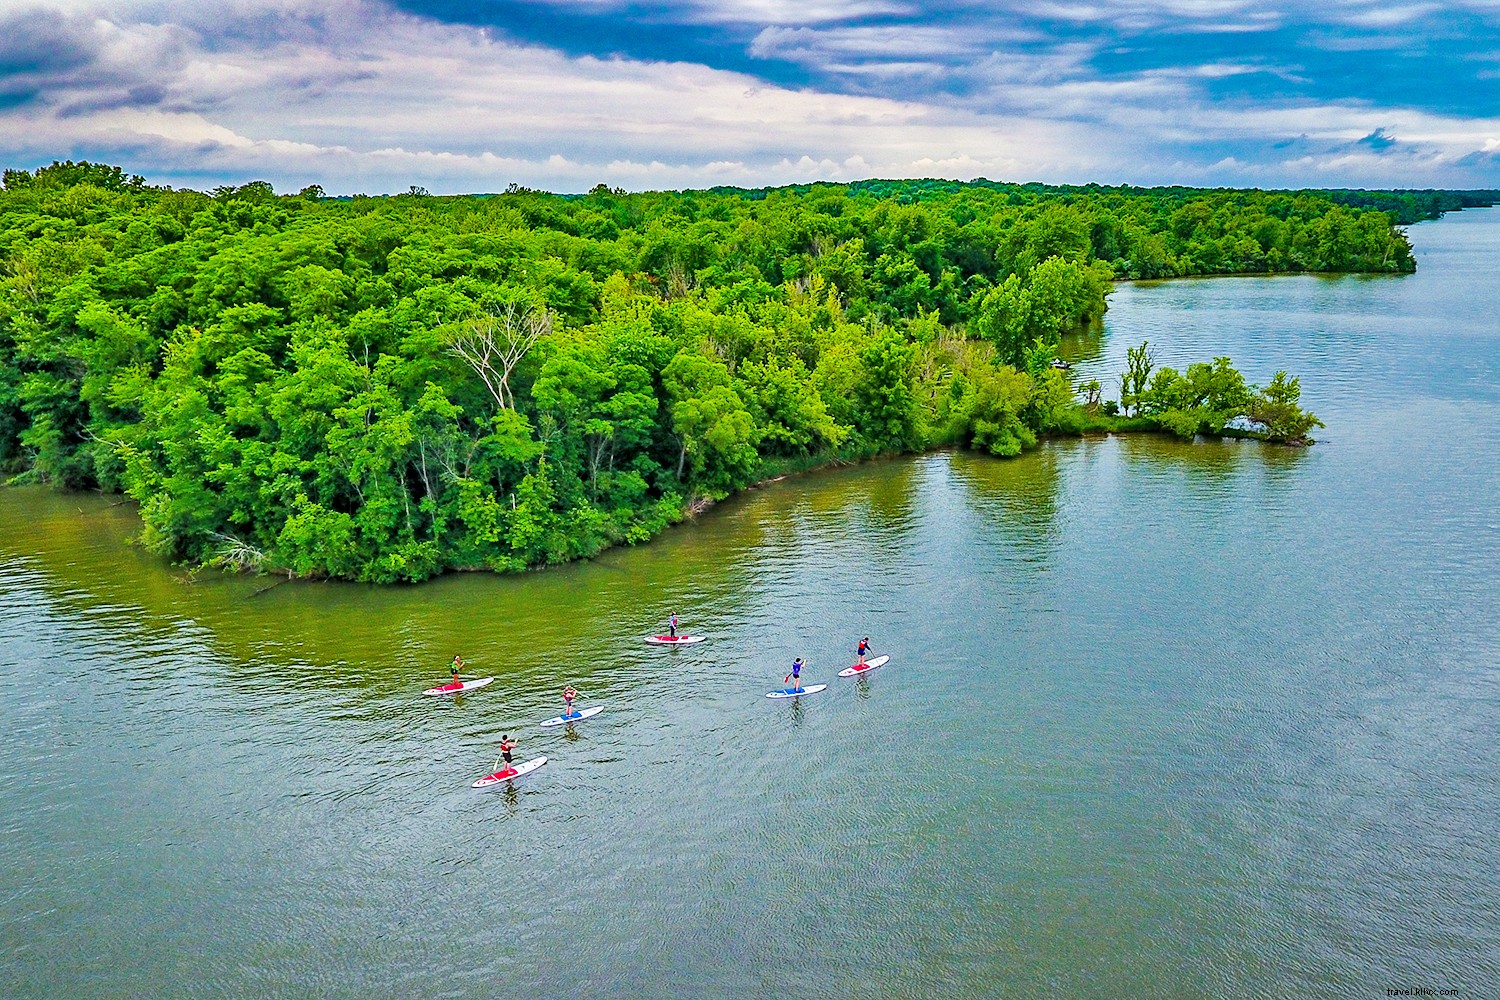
[(507, 773), (577, 715), (860, 668), (797, 692)]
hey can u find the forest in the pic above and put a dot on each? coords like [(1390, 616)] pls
[(386, 388)]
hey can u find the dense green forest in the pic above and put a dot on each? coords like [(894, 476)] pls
[(1406, 207), (386, 388)]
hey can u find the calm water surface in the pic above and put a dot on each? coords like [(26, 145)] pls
[(1162, 719)]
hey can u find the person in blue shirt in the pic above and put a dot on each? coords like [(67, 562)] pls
[(796, 675), (672, 625)]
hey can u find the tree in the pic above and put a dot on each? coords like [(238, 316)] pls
[(999, 397), (714, 429), (494, 342), (887, 413), (1136, 377), (1004, 319), (1092, 390), (795, 418), (1277, 406)]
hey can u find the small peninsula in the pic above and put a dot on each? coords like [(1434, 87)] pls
[(387, 388)]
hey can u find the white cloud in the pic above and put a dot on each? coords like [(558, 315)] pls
[(383, 100), (356, 96), (754, 11), (875, 41), (1383, 16), (1170, 15)]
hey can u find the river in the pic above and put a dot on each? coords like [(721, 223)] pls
[(1212, 719)]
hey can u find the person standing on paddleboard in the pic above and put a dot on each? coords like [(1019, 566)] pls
[(568, 695), (672, 626), (457, 665), (864, 649), (796, 675), (506, 746)]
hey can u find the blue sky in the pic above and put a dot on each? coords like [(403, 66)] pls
[(471, 95)]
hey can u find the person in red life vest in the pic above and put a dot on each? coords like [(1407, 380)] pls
[(506, 746), (568, 695), (672, 626), (864, 649)]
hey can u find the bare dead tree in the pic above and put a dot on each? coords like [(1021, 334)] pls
[(235, 553), (495, 341)]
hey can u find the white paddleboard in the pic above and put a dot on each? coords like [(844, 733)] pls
[(860, 668), (460, 686), (508, 773), (577, 715), (797, 692), (681, 640)]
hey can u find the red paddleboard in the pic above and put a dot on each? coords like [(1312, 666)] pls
[(674, 640), (458, 686), (507, 773), (860, 668)]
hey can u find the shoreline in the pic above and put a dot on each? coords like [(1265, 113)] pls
[(1210, 276), (703, 504), (692, 509)]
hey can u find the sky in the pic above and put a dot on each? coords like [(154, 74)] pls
[(375, 96)]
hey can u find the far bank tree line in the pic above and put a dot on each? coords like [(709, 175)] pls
[(386, 388)]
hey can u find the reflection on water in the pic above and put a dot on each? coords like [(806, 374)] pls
[(1018, 497), (1084, 344), (1211, 468), (1161, 718)]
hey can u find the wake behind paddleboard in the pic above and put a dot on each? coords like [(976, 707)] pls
[(458, 686), (674, 640), (506, 774), (797, 692), (860, 668), (586, 713)]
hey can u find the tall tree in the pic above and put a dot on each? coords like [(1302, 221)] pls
[(494, 342)]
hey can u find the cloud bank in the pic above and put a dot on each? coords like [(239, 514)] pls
[(361, 95)]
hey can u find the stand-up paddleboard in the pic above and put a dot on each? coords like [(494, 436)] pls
[(507, 773), (674, 640), (797, 692), (860, 668), (457, 686), (575, 716)]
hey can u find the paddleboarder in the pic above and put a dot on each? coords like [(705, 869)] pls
[(672, 626), (864, 649), (568, 695), (457, 665), (796, 675), (506, 746)]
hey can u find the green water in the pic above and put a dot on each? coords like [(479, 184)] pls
[(1162, 719)]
